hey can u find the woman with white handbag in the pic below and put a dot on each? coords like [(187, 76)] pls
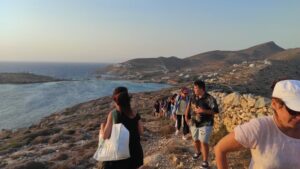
[(132, 121)]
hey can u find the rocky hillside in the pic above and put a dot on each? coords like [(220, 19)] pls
[(287, 55), (148, 68), (251, 70), (138, 68), (219, 59), (23, 78), (68, 139)]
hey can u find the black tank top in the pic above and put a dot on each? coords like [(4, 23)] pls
[(135, 147)]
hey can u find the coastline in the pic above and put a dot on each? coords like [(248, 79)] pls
[(72, 126)]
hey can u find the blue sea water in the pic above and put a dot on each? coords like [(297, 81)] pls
[(23, 105)]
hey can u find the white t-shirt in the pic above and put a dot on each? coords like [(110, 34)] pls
[(270, 147)]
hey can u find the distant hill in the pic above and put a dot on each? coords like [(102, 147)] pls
[(217, 59), (287, 55), (208, 61), (141, 66), (260, 76), (24, 78)]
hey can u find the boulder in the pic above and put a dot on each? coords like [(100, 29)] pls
[(262, 102), (232, 99), (153, 159)]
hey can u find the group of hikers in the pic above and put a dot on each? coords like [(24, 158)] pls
[(194, 113), (274, 140)]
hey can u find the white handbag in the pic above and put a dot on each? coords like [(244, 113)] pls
[(116, 147)]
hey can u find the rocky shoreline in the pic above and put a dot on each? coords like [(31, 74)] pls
[(68, 139), (25, 78)]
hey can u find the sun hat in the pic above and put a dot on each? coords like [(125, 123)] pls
[(289, 92)]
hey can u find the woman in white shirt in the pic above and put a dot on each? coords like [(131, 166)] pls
[(274, 141)]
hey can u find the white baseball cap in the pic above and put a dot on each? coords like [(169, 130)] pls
[(289, 92)]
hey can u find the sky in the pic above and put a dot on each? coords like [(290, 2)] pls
[(113, 31)]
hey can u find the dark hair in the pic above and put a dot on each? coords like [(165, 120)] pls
[(200, 84), (122, 98), (290, 111), (174, 96), (119, 90), (279, 101)]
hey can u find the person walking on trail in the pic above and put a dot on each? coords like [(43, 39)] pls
[(274, 141), (173, 99), (181, 103), (200, 115), (156, 108), (124, 114)]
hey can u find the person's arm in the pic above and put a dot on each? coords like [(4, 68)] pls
[(200, 110), (225, 145), (213, 108), (187, 111), (106, 129), (140, 127)]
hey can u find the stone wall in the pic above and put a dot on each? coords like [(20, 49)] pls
[(236, 108)]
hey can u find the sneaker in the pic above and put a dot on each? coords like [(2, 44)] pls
[(184, 138), (177, 132), (204, 165), (196, 156)]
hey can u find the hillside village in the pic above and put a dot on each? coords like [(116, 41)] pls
[(239, 80)]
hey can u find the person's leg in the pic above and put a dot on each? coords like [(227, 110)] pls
[(204, 138), (196, 142), (178, 122), (204, 151), (185, 127), (197, 146)]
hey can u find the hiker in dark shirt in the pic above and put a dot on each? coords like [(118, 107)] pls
[(200, 116), (156, 108)]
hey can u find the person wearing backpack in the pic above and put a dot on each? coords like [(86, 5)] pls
[(181, 103), (124, 114)]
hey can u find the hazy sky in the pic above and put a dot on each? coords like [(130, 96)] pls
[(118, 30)]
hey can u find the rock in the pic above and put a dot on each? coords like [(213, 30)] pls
[(267, 62), (180, 165), (244, 103), (60, 157), (174, 160), (262, 102), (153, 159), (186, 76), (47, 151), (40, 140), (233, 99), (251, 101)]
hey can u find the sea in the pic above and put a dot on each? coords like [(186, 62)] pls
[(22, 105)]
